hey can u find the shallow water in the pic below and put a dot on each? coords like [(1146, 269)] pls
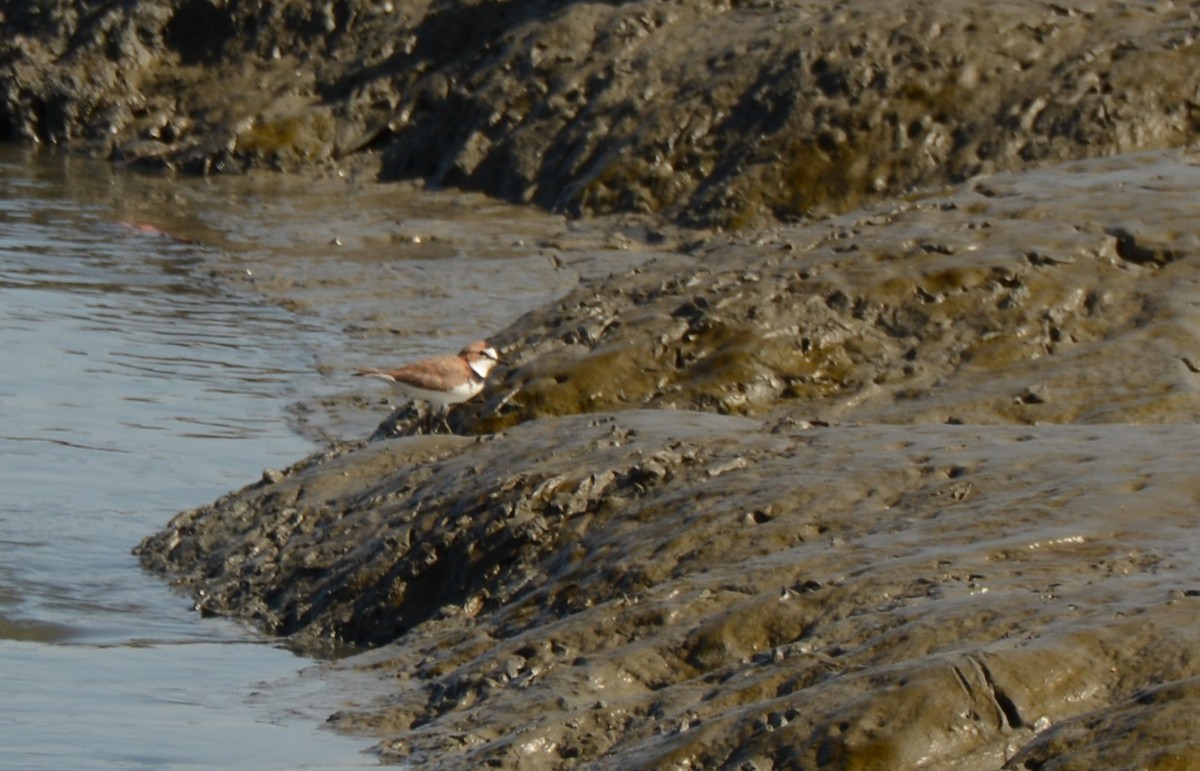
[(132, 386)]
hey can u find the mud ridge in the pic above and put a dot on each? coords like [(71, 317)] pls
[(910, 487), (708, 112)]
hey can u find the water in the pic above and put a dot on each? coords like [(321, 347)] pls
[(132, 387)]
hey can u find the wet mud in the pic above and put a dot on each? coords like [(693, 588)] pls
[(1062, 295), (906, 488), (715, 112), (847, 422), (646, 588)]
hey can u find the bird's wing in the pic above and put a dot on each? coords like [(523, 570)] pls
[(427, 374)]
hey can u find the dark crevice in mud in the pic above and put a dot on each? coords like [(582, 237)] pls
[(198, 31), (1007, 708)]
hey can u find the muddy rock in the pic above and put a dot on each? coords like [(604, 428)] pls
[(656, 588), (713, 112), (909, 487), (1019, 298)]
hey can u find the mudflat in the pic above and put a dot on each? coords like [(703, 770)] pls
[(910, 487), (849, 422)]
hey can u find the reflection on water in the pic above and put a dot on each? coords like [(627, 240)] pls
[(130, 388), (193, 705)]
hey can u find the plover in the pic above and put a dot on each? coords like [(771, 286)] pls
[(441, 380)]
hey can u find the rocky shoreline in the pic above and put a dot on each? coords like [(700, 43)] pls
[(907, 484)]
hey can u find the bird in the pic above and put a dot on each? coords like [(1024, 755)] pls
[(442, 380)]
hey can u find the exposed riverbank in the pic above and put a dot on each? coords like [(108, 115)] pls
[(711, 112), (905, 485), (951, 527)]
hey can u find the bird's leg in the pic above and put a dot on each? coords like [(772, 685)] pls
[(445, 415)]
